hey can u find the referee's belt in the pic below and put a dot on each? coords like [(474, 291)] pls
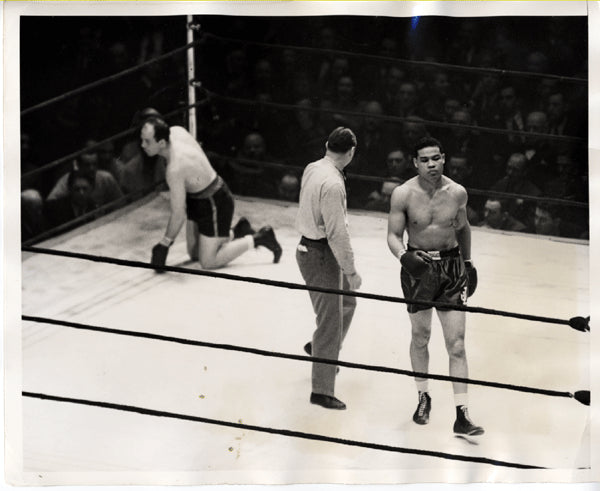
[(438, 255), (306, 241)]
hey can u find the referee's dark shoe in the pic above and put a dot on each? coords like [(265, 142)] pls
[(328, 402)]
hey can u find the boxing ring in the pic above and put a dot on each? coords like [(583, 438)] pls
[(255, 390), (199, 377)]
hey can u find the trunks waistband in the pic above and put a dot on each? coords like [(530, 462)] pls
[(307, 241), (209, 190), (437, 255)]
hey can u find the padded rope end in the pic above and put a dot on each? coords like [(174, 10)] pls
[(583, 396), (580, 323)]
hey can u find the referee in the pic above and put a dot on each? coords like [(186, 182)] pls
[(326, 259)]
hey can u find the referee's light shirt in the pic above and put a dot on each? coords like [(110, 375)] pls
[(322, 210)]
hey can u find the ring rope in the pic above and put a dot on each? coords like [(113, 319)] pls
[(276, 431), (295, 286), (130, 197), (94, 214), (206, 35), (364, 177), (396, 119), (275, 354), (275, 165), (385, 59), (108, 79)]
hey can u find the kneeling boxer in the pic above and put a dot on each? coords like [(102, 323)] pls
[(198, 193)]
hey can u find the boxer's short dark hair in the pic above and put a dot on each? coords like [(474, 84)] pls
[(427, 141), (161, 128)]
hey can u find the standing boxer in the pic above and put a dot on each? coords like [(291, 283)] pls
[(436, 266)]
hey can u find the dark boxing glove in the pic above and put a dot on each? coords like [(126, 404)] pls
[(159, 256), (472, 277), (415, 262)]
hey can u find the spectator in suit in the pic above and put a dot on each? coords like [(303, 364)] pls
[(77, 202), (107, 160), (495, 216), (561, 120), (460, 170), (515, 181), (406, 101), (305, 134), (510, 116), (252, 179), (537, 150), (400, 169), (344, 99), (412, 130), (438, 90), (104, 189), (390, 87), (288, 188), (33, 220), (376, 140), (568, 184), (547, 221)]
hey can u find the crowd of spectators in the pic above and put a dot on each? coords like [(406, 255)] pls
[(492, 125), (96, 178), (79, 51), (501, 132)]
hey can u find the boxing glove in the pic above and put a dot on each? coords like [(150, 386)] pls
[(159, 256), (472, 277), (415, 263)]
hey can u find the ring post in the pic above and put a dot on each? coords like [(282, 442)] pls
[(191, 76)]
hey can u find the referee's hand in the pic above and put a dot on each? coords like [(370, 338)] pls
[(355, 281)]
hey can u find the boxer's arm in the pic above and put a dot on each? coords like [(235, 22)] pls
[(463, 229), (178, 207), (397, 221), (463, 237)]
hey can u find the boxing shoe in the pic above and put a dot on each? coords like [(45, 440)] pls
[(421, 416), (328, 402), (266, 237), (463, 424), (242, 228)]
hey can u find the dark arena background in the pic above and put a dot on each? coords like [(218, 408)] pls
[(506, 96)]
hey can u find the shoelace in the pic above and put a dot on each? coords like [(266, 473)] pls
[(466, 416), (422, 404)]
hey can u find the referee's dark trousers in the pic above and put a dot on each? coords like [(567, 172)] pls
[(334, 313)]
